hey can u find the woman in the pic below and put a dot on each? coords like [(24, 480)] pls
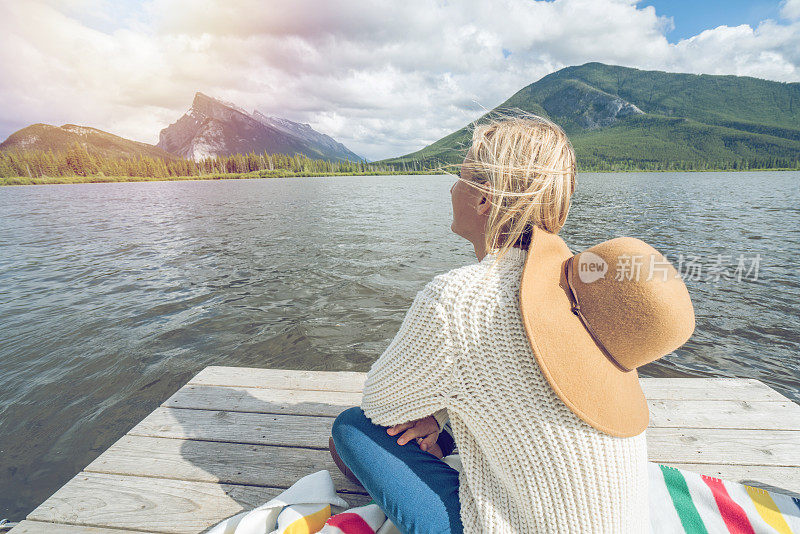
[(529, 463)]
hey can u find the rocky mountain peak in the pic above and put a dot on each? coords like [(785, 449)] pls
[(216, 108), (214, 127), (588, 107)]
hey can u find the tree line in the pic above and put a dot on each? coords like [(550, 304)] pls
[(78, 161), (600, 163), (742, 164)]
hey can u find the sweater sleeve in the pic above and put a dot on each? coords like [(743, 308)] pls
[(412, 378), (441, 417)]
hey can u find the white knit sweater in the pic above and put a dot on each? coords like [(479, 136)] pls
[(529, 464)]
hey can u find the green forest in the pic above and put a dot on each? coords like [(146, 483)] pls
[(625, 119), (78, 165)]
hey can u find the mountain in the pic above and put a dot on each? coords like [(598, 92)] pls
[(96, 142), (622, 117), (214, 127)]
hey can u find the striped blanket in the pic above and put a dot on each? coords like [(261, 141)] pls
[(680, 502), (685, 501)]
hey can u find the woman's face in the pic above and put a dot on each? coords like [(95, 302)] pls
[(470, 209)]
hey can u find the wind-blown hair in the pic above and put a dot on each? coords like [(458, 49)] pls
[(527, 163)]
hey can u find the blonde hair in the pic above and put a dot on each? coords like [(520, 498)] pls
[(529, 164)]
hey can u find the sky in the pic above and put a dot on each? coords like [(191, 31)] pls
[(381, 76), (690, 17)]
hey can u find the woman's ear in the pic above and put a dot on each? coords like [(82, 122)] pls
[(484, 200)]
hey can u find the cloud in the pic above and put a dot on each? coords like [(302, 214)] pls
[(790, 9), (383, 77)]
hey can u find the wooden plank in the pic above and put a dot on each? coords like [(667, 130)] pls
[(37, 527), (781, 479), (723, 446), (208, 461), (765, 415), (237, 427), (255, 465), (263, 400), (153, 504), (233, 438), (695, 413), (693, 445), (280, 378), (747, 389), (654, 388)]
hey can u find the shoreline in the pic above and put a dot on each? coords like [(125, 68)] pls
[(59, 180)]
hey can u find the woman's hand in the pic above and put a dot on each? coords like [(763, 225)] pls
[(425, 431)]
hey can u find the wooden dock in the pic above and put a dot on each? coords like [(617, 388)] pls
[(232, 438)]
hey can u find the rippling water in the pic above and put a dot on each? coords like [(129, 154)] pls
[(113, 295)]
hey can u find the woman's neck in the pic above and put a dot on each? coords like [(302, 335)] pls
[(480, 250)]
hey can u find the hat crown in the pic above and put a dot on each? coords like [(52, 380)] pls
[(632, 300)]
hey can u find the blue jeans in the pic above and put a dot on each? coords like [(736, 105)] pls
[(414, 488)]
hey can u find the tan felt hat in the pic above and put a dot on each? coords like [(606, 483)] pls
[(592, 318)]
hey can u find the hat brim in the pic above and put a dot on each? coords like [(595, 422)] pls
[(583, 377)]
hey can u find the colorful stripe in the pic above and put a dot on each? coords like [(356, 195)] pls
[(367, 519), (682, 500), (790, 509), (732, 514), (303, 518), (687, 502), (767, 509), (350, 523)]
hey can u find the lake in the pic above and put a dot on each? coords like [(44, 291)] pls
[(113, 295)]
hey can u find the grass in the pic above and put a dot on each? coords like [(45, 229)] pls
[(49, 180)]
